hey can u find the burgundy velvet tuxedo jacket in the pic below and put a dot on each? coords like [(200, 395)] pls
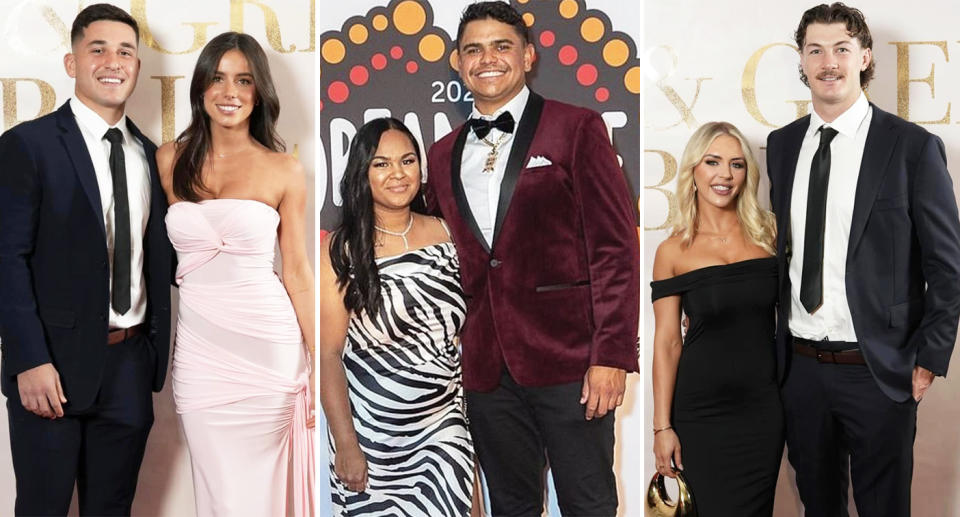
[(559, 289)]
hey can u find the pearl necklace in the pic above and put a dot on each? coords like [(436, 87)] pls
[(402, 235)]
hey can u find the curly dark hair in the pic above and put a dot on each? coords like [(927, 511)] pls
[(851, 18), (501, 11)]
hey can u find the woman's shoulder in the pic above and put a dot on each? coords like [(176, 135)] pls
[(166, 154)]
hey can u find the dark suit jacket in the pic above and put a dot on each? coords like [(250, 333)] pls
[(903, 257), (54, 273), (559, 290)]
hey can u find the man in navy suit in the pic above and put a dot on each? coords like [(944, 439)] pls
[(84, 282), (869, 245)]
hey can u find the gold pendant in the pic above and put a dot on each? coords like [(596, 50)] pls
[(491, 161)]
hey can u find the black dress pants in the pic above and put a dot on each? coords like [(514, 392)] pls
[(517, 430), (836, 415), (99, 448)]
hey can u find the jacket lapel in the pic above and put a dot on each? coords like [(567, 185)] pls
[(518, 153), (793, 140), (457, 183), (881, 141), (80, 156)]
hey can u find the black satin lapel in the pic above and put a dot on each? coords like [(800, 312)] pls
[(80, 156), (456, 159), (881, 141), (518, 153)]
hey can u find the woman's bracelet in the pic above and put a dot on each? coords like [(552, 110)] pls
[(655, 430)]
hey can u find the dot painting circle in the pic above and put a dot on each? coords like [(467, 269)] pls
[(529, 18), (378, 61), (396, 52), (380, 22), (432, 47), (338, 91), (587, 74), (592, 29), (333, 51), (359, 75), (569, 8), (547, 38), (567, 55), (409, 17), (602, 94), (412, 67), (616, 52), (631, 80), (358, 34)]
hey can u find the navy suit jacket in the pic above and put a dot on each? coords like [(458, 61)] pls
[(54, 273), (903, 256)]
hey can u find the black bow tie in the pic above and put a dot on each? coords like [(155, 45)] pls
[(481, 127)]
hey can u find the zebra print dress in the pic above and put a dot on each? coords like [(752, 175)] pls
[(403, 382)]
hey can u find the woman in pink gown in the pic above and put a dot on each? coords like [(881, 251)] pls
[(241, 374)]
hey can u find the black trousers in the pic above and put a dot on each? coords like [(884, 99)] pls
[(836, 415), (99, 448), (517, 430)]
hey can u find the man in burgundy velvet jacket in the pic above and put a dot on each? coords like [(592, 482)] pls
[(545, 229)]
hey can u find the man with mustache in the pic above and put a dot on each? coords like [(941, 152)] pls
[(869, 245), (85, 268), (546, 233)]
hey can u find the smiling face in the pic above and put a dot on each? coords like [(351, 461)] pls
[(832, 61), (231, 95), (721, 173), (394, 172), (105, 65), (493, 60)]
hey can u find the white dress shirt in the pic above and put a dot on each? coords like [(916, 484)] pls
[(93, 128), (483, 188), (832, 320)]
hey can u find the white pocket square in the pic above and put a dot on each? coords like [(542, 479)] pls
[(538, 161)]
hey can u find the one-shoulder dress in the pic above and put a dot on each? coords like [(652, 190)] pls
[(240, 373), (726, 403), (406, 397)]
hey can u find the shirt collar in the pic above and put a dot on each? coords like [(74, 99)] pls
[(514, 106), (92, 122), (847, 123)]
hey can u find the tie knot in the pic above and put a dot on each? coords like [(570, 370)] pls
[(481, 127), (826, 135), (114, 136)]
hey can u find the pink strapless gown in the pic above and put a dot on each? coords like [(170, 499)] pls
[(240, 375)]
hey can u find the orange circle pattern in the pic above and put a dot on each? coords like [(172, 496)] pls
[(616, 52), (528, 19), (631, 80), (432, 47), (380, 22), (409, 17), (569, 8), (333, 51), (592, 29), (358, 34)]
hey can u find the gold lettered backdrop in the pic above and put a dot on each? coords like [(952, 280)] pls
[(34, 36), (737, 61), (392, 57)]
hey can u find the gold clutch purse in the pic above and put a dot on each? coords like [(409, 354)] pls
[(659, 503)]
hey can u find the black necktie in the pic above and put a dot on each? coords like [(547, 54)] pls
[(811, 279), (481, 127), (120, 294)]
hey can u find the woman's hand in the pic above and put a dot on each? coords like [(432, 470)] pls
[(350, 467), (312, 410), (666, 447)]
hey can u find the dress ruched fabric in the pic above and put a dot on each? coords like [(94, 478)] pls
[(406, 397), (240, 373), (726, 403)]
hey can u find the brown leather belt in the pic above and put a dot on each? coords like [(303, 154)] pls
[(120, 335), (807, 347)]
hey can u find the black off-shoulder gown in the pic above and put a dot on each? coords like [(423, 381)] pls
[(726, 403)]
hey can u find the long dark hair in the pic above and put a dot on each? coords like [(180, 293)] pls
[(194, 143), (351, 248)]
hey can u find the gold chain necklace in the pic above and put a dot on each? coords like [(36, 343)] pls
[(494, 152)]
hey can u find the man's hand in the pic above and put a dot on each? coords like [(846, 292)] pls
[(40, 391), (603, 388), (922, 379)]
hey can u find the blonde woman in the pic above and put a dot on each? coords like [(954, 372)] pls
[(715, 390)]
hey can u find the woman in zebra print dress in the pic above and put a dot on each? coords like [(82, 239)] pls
[(391, 307)]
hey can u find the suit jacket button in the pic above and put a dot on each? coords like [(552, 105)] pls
[(494, 263)]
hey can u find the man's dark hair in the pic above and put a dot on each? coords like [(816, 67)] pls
[(851, 18), (500, 11), (96, 13)]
